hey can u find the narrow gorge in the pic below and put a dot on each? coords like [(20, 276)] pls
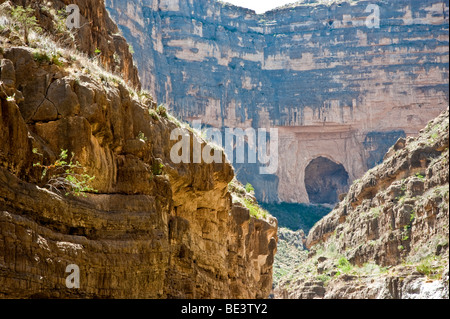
[(334, 87), (108, 169), (145, 227)]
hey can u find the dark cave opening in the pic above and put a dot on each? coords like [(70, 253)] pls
[(325, 180)]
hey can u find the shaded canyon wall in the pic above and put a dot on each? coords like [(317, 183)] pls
[(334, 87)]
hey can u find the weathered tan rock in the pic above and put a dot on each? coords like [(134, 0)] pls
[(97, 31), (333, 87), (388, 238), (155, 229)]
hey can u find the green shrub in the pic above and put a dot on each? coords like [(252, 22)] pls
[(69, 176), (60, 21), (255, 210), (141, 136), (405, 233), (44, 57), (324, 278), (249, 188), (55, 60), (153, 114), (426, 268), (41, 57), (24, 16), (420, 176), (376, 211), (344, 265), (143, 95), (162, 111), (157, 168)]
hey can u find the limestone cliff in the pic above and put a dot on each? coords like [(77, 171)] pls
[(334, 87), (388, 238), (96, 32), (151, 228)]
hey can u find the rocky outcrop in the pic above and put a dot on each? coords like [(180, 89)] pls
[(97, 36), (388, 238), (151, 228), (334, 87)]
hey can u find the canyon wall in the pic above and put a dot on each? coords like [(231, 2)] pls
[(151, 228), (334, 87), (388, 237), (96, 32)]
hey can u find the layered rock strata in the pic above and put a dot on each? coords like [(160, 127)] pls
[(152, 229), (388, 238), (97, 35), (335, 86)]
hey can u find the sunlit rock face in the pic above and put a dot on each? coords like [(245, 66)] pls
[(334, 85)]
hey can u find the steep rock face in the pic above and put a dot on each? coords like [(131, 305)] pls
[(388, 238), (155, 229), (97, 32), (334, 87)]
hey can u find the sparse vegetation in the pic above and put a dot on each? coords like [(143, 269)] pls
[(324, 278), (11, 98), (255, 210), (430, 267), (24, 17), (44, 57), (153, 114), (420, 176), (141, 136), (240, 194), (249, 188), (376, 211), (66, 175), (157, 168), (344, 265), (162, 111), (41, 57)]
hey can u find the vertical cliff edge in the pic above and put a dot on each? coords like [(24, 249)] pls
[(145, 227)]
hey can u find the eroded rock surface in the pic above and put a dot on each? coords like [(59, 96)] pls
[(333, 86), (154, 229), (388, 238)]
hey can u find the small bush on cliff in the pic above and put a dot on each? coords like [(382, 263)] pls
[(141, 136), (153, 114), (255, 210), (249, 188), (344, 265), (162, 111), (430, 268), (70, 176), (157, 168), (26, 20), (44, 57)]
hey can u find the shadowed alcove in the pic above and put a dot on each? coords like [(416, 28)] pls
[(325, 180)]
